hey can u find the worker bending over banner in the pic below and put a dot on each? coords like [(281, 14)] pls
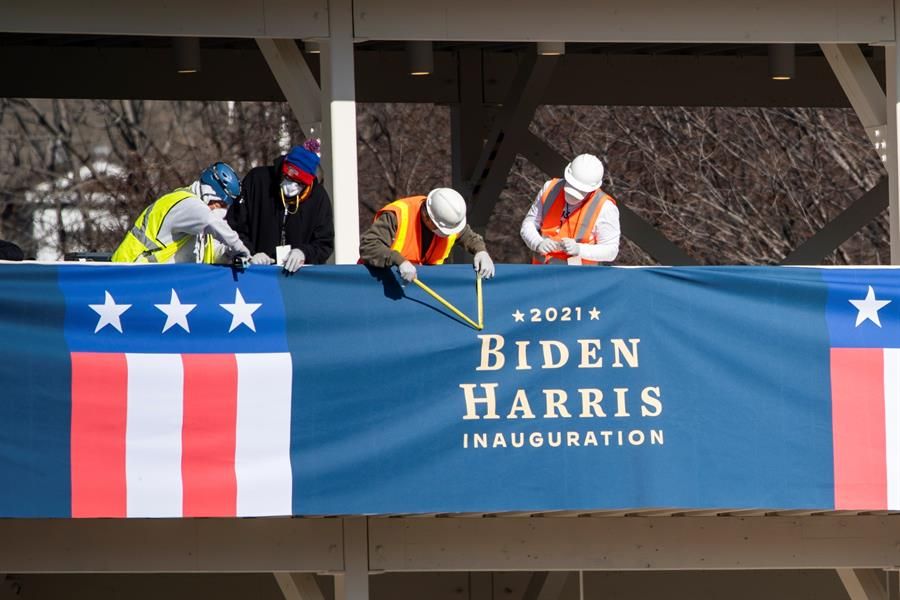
[(285, 214), (397, 236), (182, 226), (572, 220)]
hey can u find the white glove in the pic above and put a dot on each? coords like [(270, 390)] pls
[(484, 266), (261, 258), (407, 271), (294, 260), (570, 246), (547, 246)]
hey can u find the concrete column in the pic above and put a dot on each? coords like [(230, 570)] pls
[(339, 129)]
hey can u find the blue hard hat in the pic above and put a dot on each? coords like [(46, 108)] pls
[(223, 180)]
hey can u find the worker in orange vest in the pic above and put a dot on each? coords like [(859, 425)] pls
[(573, 221), (421, 230)]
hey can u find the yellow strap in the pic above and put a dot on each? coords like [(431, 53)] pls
[(480, 303), (451, 239), (402, 226)]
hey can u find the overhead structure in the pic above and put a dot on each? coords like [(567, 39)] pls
[(638, 52)]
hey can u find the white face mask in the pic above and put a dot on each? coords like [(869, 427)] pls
[(219, 213), (290, 188)]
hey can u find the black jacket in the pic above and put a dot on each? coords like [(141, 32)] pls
[(257, 217), (9, 251)]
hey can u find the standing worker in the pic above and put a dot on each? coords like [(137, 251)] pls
[(573, 221), (181, 226), (285, 214), (421, 230)]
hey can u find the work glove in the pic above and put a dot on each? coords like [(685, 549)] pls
[(407, 271), (484, 266), (547, 246), (294, 260), (261, 258), (570, 246)]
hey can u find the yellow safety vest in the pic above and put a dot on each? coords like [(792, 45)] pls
[(141, 244)]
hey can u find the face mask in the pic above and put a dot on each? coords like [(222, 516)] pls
[(219, 213), (290, 188)]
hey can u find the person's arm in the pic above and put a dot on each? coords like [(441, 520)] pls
[(375, 243), (9, 251), (321, 241), (531, 227), (192, 217), (606, 233), (471, 241)]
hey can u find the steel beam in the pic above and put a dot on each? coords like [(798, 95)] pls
[(864, 584), (633, 543), (507, 135), (635, 228), (837, 231), (170, 545), (297, 83), (862, 89)]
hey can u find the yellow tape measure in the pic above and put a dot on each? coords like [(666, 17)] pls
[(480, 324)]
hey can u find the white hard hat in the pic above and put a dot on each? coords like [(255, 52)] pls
[(447, 210), (583, 175)]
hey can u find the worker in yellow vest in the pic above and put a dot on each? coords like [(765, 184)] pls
[(572, 220), (188, 225), (421, 230)]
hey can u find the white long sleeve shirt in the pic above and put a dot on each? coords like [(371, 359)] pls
[(192, 217), (606, 230)]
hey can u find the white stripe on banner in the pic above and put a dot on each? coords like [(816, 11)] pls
[(262, 461), (892, 425), (153, 435)]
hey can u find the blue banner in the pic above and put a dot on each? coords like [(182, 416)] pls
[(187, 390)]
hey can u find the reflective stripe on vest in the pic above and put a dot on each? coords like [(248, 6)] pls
[(408, 238), (584, 217), (141, 243)]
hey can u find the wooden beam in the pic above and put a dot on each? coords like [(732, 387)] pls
[(170, 545), (862, 89), (864, 584), (299, 586), (296, 81), (652, 543)]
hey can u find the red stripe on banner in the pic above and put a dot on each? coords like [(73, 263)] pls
[(857, 396), (99, 405), (208, 435)]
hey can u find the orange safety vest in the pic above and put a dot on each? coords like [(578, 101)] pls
[(408, 238), (579, 225)]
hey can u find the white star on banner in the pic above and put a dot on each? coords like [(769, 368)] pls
[(519, 316), (109, 312), (241, 312), (176, 313), (595, 314), (868, 308)]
